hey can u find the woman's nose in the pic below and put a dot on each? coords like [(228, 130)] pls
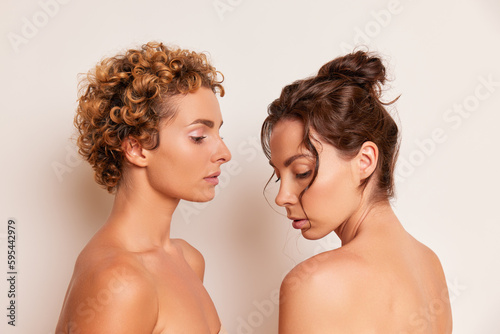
[(223, 154), (285, 196)]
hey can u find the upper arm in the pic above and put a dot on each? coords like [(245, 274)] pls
[(193, 257), (313, 299), (119, 299)]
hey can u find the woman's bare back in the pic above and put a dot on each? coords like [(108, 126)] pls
[(406, 283), (385, 283)]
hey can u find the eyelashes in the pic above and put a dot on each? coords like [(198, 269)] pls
[(198, 140), (298, 176), (303, 175)]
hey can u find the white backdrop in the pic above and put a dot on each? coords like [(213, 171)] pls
[(442, 56)]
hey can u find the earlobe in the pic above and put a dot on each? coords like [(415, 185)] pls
[(134, 152), (368, 157)]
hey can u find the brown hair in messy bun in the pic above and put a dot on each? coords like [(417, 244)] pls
[(342, 104), (128, 95)]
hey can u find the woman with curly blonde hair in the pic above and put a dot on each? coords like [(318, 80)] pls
[(148, 123)]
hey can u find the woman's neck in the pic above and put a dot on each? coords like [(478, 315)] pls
[(368, 217), (141, 217)]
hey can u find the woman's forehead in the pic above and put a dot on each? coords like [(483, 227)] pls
[(200, 105)]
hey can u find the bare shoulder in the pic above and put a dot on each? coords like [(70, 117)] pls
[(113, 293), (320, 271), (193, 257), (323, 283), (429, 262)]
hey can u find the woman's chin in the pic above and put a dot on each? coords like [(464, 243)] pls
[(206, 196), (310, 233)]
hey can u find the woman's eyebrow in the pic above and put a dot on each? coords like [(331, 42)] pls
[(289, 161), (206, 122)]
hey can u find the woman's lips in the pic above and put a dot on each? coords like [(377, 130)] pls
[(213, 179), (299, 223)]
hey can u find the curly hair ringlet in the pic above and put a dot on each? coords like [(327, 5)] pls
[(129, 95), (342, 106)]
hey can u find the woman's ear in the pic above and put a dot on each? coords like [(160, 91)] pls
[(367, 157), (134, 152)]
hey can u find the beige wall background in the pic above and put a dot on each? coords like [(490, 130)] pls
[(442, 56)]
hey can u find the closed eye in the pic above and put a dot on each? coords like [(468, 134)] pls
[(198, 140), (303, 175)]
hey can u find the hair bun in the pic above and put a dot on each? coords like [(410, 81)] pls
[(359, 67)]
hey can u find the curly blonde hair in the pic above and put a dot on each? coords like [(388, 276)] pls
[(128, 95)]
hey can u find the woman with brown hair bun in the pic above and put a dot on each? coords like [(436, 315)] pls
[(148, 123), (333, 147)]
